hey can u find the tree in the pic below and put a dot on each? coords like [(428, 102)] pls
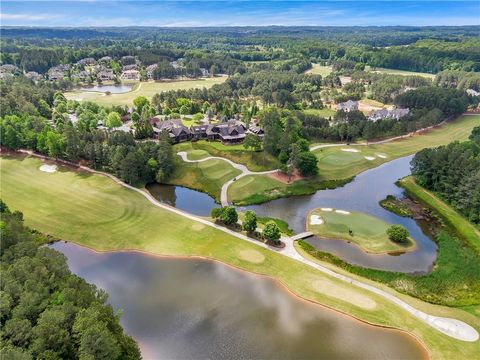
[(475, 135), (250, 221), (216, 213), (54, 143), (140, 102), (307, 164), (253, 142), (271, 232), (113, 120), (398, 234), (229, 215)]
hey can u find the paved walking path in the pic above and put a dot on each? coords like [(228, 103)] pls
[(451, 327), (242, 168)]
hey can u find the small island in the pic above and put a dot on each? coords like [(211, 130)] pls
[(366, 231)]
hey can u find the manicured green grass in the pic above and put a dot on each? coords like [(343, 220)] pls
[(368, 232), (337, 167), (93, 210), (326, 113), (318, 69), (334, 163), (465, 229), (147, 89), (400, 72), (207, 176)]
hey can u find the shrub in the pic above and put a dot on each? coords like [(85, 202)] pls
[(271, 231), (397, 233)]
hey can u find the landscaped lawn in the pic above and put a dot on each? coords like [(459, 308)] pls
[(368, 232), (318, 69), (207, 176), (337, 164), (93, 210), (147, 89), (400, 72), (326, 113)]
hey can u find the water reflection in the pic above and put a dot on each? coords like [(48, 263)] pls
[(114, 89), (196, 309)]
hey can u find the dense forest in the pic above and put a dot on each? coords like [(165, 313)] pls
[(453, 172), (46, 311)]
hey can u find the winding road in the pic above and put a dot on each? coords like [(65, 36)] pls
[(448, 326)]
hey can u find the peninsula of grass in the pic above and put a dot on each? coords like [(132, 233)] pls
[(207, 176), (339, 164), (366, 231), (392, 204), (147, 89), (94, 211)]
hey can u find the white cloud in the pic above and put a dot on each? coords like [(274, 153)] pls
[(30, 17)]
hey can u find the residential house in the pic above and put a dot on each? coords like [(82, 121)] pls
[(9, 68), (256, 130), (130, 75), (388, 114), (348, 106), (57, 72), (105, 74), (150, 69), (87, 62), (34, 76), (105, 59), (130, 67)]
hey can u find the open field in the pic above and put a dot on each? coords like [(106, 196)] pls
[(368, 232), (147, 89), (207, 176), (318, 69), (400, 72), (337, 164), (326, 113), (462, 226), (94, 211)]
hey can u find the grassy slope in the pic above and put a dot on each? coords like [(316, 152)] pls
[(318, 69), (369, 232), (94, 211), (333, 163), (147, 89), (463, 227)]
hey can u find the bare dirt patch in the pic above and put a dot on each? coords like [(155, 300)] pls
[(284, 178), (252, 256), (329, 288)]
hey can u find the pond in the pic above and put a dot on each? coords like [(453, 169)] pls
[(198, 309), (362, 194), (114, 89)]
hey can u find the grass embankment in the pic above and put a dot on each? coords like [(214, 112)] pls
[(392, 204), (337, 167), (94, 211), (206, 176), (455, 278), (367, 231), (147, 89)]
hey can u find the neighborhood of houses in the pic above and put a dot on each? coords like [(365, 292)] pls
[(375, 115)]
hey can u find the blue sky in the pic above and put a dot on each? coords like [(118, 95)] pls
[(238, 13)]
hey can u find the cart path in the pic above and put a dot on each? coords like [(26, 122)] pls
[(448, 326)]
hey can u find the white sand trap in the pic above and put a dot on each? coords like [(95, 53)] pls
[(350, 150), (369, 158), (383, 156), (316, 220), (326, 209), (48, 168), (342, 212)]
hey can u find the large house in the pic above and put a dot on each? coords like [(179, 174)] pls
[(150, 69), (388, 114), (231, 132), (348, 106), (130, 75)]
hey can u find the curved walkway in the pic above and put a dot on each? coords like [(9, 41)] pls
[(242, 168), (451, 327)]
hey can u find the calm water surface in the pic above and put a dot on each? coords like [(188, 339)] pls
[(114, 89), (362, 194), (198, 309)]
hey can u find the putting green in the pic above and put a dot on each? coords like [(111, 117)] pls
[(93, 210), (368, 232)]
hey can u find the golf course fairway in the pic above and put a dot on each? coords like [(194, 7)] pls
[(94, 211), (368, 232)]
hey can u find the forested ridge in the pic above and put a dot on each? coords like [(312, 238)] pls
[(46, 311), (453, 172)]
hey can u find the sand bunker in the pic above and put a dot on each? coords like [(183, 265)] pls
[(350, 150), (329, 288), (383, 156), (326, 209), (252, 256), (369, 158), (197, 226), (342, 212), (316, 220), (48, 168)]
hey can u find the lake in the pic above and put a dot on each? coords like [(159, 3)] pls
[(114, 89), (199, 309)]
